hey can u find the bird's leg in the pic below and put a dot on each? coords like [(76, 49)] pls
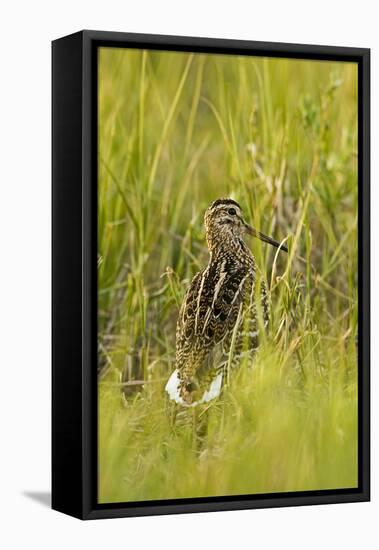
[(173, 414), (200, 427), (194, 426)]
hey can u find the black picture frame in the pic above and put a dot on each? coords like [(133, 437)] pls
[(74, 294)]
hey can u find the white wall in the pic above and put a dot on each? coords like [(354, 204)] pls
[(26, 31)]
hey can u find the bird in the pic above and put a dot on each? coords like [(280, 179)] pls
[(223, 310)]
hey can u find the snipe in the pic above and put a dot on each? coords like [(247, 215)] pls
[(219, 318)]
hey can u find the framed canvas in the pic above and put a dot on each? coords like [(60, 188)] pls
[(211, 313)]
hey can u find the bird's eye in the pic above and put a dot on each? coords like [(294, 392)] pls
[(232, 211)]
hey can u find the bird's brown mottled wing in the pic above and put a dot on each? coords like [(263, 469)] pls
[(228, 297), (185, 334), (209, 313)]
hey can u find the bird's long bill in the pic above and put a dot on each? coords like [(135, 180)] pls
[(264, 238)]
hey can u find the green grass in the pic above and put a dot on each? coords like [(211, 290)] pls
[(177, 131)]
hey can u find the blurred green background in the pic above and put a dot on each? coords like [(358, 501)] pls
[(177, 131)]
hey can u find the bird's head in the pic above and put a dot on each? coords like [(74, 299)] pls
[(224, 222)]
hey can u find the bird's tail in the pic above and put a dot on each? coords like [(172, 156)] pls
[(211, 392)]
